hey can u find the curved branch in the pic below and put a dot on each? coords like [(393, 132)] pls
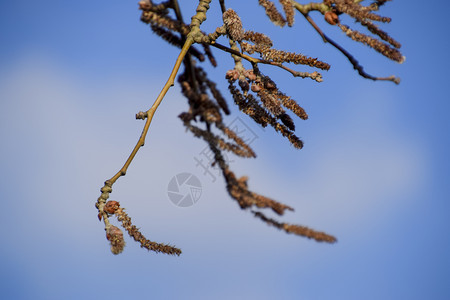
[(350, 57)]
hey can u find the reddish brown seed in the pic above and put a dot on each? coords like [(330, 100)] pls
[(111, 207), (331, 17), (113, 232)]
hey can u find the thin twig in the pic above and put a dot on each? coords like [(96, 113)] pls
[(194, 34), (187, 60), (222, 6), (107, 188), (315, 75), (152, 110)]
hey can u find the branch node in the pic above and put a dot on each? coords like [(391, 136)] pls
[(141, 115)]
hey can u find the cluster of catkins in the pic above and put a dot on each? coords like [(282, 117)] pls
[(366, 17), (254, 93), (115, 236)]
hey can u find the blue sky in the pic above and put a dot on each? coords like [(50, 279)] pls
[(374, 170)]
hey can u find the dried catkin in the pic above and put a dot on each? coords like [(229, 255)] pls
[(233, 24)]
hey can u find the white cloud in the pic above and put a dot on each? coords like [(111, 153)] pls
[(78, 138)]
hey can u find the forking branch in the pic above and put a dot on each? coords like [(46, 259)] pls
[(254, 93), (107, 188)]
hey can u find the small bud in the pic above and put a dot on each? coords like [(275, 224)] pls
[(232, 75), (331, 17), (255, 88), (144, 5), (141, 115), (250, 75), (100, 216), (111, 207)]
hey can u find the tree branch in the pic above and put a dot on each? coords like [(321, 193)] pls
[(315, 75), (197, 20), (350, 57)]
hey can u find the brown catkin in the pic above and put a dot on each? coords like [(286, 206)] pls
[(288, 7), (293, 106), (175, 40), (134, 232), (283, 56), (272, 12), (251, 107), (379, 46), (382, 34), (297, 229), (233, 24), (270, 102), (115, 236), (259, 39), (356, 10), (167, 22)]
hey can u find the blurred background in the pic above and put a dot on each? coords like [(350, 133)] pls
[(374, 171)]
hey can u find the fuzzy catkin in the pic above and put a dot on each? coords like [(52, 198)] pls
[(272, 12), (233, 24), (379, 46), (288, 7)]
